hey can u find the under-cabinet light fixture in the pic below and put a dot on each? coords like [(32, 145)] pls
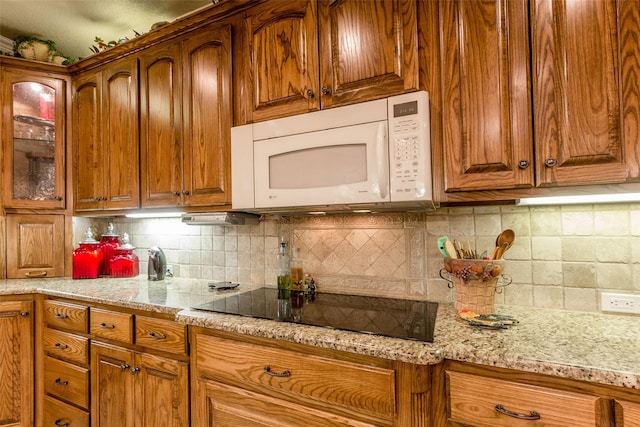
[(155, 215), (582, 199)]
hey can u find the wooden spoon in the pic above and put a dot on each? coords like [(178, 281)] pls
[(503, 243)]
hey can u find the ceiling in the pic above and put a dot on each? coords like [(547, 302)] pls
[(74, 24)]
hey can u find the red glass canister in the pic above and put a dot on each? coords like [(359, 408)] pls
[(124, 262), (87, 259), (110, 241)]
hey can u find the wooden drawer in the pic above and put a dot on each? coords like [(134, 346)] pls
[(473, 400), (329, 383), (56, 413), (63, 315), (161, 334), (233, 406), (66, 381), (112, 325), (64, 345)]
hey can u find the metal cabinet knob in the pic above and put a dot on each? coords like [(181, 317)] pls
[(550, 162), (523, 164), (325, 90), (310, 93)]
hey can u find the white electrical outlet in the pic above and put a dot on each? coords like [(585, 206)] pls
[(169, 271), (623, 303)]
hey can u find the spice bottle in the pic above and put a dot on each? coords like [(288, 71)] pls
[(87, 259), (124, 263), (283, 271), (295, 270)]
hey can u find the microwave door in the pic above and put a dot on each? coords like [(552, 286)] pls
[(348, 165)]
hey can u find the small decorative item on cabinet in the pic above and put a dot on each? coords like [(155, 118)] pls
[(87, 258), (124, 262), (110, 241)]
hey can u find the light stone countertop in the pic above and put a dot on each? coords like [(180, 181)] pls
[(601, 348)]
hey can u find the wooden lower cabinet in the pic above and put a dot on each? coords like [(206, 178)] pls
[(16, 363), (247, 381), (480, 396), (130, 388)]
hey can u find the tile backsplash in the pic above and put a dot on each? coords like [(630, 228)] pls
[(563, 257)]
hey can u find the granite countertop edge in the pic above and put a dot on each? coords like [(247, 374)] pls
[(593, 347)]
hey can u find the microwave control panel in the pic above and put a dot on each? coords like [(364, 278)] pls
[(409, 147)]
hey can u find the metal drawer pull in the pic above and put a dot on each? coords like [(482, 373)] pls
[(533, 415), (134, 370), (268, 371), (60, 382), (157, 336), (105, 326), (61, 346), (60, 316), (124, 367), (59, 423)]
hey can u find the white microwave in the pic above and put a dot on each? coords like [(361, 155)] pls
[(370, 156)]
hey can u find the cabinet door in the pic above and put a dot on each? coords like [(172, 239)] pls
[(207, 113), (368, 50), (487, 138), (221, 405), (280, 66), (586, 91), (88, 149), (16, 369), (119, 121), (161, 391), (34, 139), (112, 392), (35, 246), (161, 126)]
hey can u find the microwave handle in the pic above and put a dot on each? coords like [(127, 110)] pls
[(382, 160)]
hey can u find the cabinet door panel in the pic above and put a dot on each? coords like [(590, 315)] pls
[(34, 139), (207, 117), (162, 392), (160, 126), (35, 246), (282, 64), (368, 49), (120, 121), (88, 165), (486, 113), (227, 406), (586, 91), (16, 375), (112, 392)]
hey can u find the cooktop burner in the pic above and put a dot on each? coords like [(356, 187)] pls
[(398, 318)]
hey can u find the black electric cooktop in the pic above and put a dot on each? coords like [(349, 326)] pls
[(414, 320)]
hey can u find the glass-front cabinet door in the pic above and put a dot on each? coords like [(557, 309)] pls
[(33, 136)]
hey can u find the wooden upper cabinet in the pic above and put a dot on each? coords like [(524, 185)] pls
[(34, 134), (160, 126), (586, 59), (88, 165), (208, 116), (186, 115), (368, 50), (306, 55), (120, 133), (281, 59), (105, 128), (487, 138)]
